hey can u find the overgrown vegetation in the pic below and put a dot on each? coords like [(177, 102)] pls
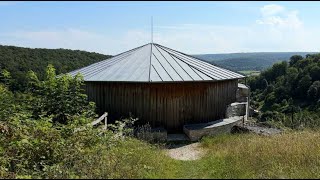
[(38, 137), (289, 92)]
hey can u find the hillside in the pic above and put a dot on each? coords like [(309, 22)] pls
[(18, 61), (289, 92), (249, 61)]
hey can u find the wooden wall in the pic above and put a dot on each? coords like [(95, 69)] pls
[(170, 105)]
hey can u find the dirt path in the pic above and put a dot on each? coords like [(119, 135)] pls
[(185, 152)]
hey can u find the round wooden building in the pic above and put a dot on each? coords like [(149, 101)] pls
[(160, 86)]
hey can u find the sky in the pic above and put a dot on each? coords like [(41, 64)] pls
[(191, 27)]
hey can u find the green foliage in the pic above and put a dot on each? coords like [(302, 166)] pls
[(315, 72), (19, 61), (294, 59), (61, 96), (40, 149), (314, 91), (33, 145), (7, 104), (5, 77), (284, 86)]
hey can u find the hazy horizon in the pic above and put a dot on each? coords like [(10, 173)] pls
[(169, 47)]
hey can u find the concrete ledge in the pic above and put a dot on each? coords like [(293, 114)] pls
[(236, 109), (196, 131), (243, 90), (242, 93)]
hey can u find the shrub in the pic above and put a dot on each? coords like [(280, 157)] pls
[(268, 115), (7, 104), (60, 96)]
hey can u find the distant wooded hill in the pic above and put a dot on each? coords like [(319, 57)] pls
[(18, 61), (249, 61)]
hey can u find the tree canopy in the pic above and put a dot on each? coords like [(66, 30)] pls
[(18, 61), (288, 85)]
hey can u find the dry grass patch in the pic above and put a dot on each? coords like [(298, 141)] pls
[(290, 155)]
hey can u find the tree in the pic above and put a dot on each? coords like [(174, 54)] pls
[(60, 96), (314, 91), (291, 75), (315, 73), (5, 77), (294, 59), (278, 69), (19, 61), (303, 86), (7, 105)]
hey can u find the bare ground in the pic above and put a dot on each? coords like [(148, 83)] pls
[(185, 152)]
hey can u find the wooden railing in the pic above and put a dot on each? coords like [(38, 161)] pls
[(95, 122), (103, 117)]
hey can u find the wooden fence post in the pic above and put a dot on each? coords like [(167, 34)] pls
[(105, 120)]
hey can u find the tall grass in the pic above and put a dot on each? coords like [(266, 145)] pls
[(129, 158), (295, 154), (290, 155)]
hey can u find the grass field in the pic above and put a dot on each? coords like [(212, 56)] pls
[(250, 73), (291, 155)]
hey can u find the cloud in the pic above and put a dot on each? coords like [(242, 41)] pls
[(279, 16), (282, 29), (272, 9)]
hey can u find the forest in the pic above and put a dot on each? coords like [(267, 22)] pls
[(289, 92), (18, 61)]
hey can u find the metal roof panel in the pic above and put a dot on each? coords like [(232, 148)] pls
[(154, 63)]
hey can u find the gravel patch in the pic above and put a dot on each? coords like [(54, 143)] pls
[(257, 129), (263, 130), (185, 152)]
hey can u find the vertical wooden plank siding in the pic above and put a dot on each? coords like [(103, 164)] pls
[(170, 105)]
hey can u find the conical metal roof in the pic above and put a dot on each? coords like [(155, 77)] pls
[(154, 63)]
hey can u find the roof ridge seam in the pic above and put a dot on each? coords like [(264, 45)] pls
[(163, 67), (180, 64), (169, 63), (202, 65), (157, 72), (191, 66), (105, 60), (202, 60), (150, 63)]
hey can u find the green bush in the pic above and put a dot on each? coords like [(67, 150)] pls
[(7, 105), (34, 145), (61, 96), (38, 149)]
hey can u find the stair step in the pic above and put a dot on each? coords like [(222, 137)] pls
[(177, 137)]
